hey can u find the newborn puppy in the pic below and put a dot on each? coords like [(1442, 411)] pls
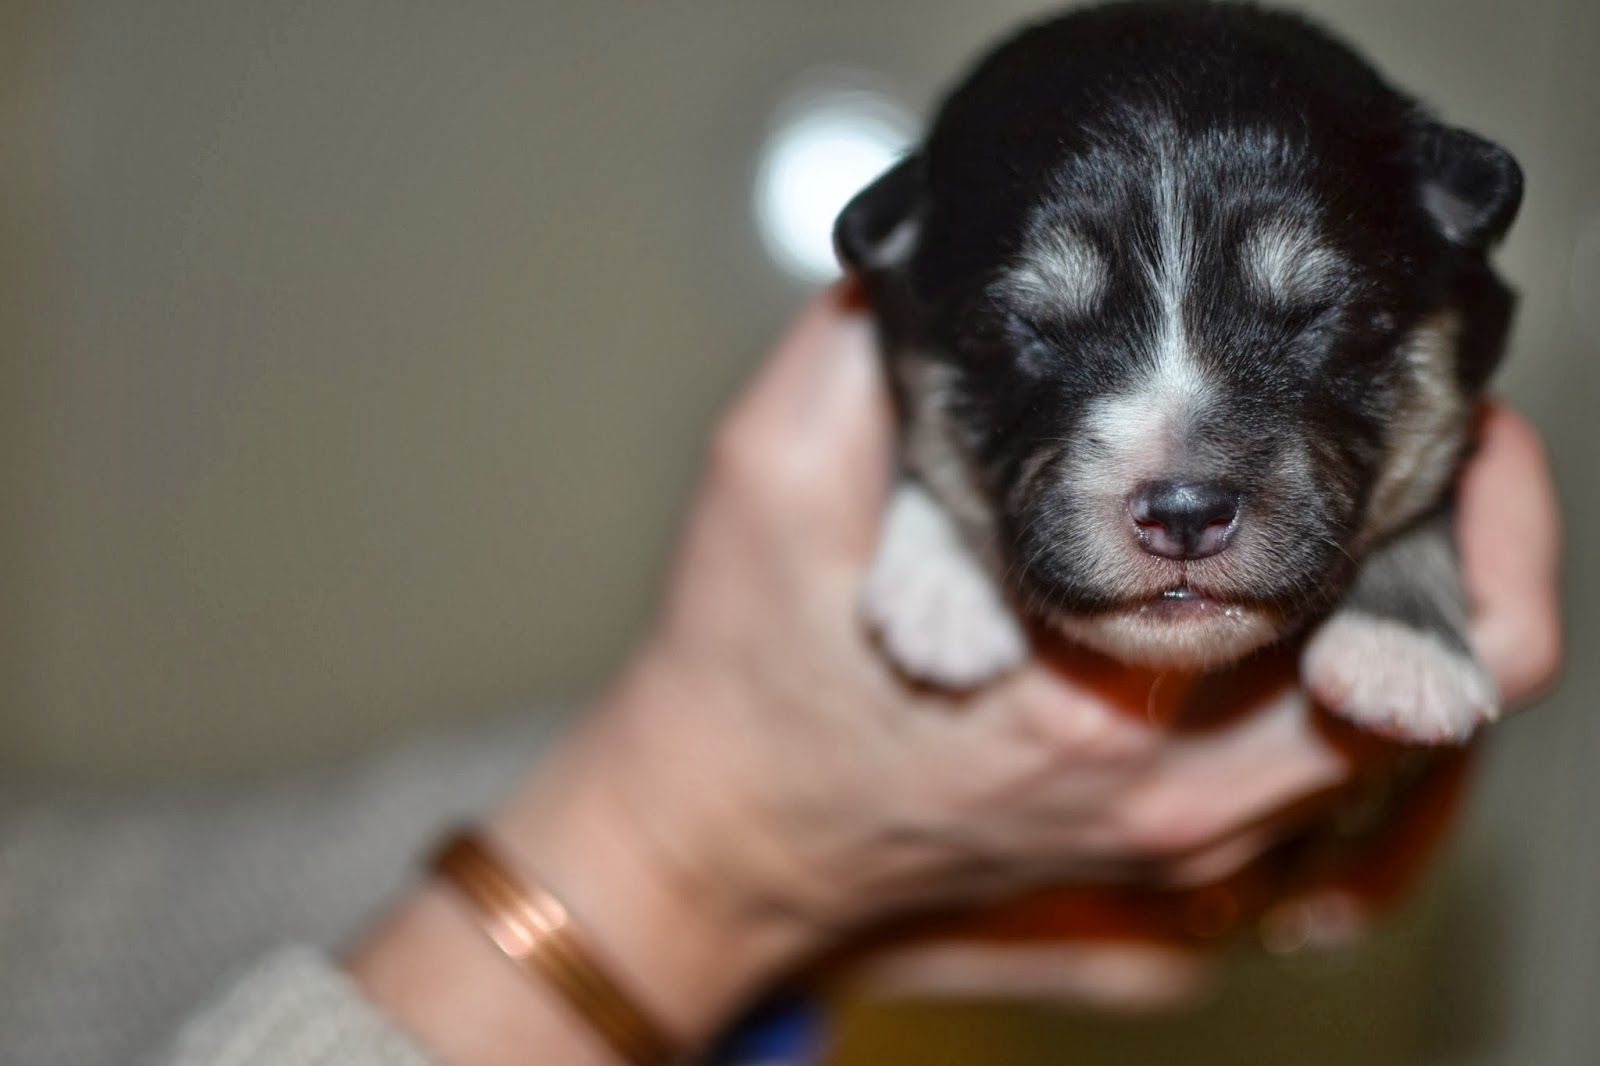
[(1187, 312)]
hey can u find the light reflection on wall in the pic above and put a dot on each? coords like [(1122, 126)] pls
[(828, 140)]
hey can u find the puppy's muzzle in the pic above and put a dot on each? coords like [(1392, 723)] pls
[(1184, 520)]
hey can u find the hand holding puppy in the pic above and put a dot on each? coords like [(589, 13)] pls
[(760, 784)]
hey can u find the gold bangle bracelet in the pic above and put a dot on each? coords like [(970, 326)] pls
[(535, 931)]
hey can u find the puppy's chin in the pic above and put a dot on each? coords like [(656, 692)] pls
[(1192, 633)]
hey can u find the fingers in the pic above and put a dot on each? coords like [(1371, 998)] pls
[(813, 432), (1323, 920), (1211, 788), (1221, 860), (786, 387), (1509, 529), (1112, 975)]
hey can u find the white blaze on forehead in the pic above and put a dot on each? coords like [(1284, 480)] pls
[(1285, 261), (1059, 271), (1176, 373), (1171, 261), (1141, 428)]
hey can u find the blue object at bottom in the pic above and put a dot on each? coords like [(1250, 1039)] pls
[(783, 1030)]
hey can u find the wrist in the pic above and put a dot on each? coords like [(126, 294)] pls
[(432, 970), (653, 864)]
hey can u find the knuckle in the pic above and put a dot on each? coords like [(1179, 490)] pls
[(754, 455), (738, 452), (1541, 662), (1078, 734), (1163, 824)]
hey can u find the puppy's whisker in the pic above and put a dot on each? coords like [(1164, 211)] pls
[(1333, 542)]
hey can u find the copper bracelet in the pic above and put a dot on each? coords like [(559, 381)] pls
[(535, 931)]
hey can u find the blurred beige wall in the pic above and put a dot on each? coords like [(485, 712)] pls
[(357, 357)]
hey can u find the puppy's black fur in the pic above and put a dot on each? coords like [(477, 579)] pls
[(1187, 311)]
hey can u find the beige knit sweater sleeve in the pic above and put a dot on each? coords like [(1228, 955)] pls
[(294, 1008), (158, 927)]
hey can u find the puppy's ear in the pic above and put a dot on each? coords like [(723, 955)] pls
[(1471, 187), (877, 230)]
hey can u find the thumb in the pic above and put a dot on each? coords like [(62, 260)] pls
[(1509, 532), (815, 427)]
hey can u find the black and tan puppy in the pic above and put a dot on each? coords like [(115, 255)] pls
[(1187, 311)]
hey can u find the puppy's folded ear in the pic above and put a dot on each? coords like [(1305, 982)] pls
[(877, 230), (1471, 187)]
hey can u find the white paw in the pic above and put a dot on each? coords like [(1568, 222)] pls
[(1398, 681), (939, 614)]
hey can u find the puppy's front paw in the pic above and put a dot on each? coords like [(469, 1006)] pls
[(940, 616), (1397, 681)]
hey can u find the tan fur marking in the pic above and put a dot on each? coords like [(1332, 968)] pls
[(931, 450), (1060, 272), (1285, 261), (1430, 431)]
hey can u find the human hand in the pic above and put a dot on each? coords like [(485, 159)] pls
[(859, 795), (758, 783), (761, 758)]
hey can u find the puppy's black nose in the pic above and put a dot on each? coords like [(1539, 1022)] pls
[(1184, 520)]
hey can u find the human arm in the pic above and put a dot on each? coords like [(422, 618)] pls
[(758, 784)]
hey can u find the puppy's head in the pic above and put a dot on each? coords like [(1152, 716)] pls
[(1186, 308)]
